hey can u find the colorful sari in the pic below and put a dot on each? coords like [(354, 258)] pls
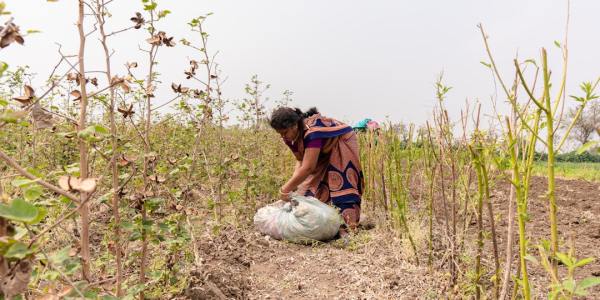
[(338, 177)]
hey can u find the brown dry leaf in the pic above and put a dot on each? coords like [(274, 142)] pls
[(125, 86), (168, 42), (126, 111), (194, 64), (132, 65), (138, 20), (63, 183), (72, 76), (41, 119), (29, 93), (116, 80), (126, 160), (76, 95), (199, 93), (150, 91), (177, 88), (94, 81), (157, 178), (16, 282), (136, 197), (172, 160), (87, 185), (10, 34), (154, 40), (68, 183)]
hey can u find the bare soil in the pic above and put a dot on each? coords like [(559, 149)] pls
[(242, 264), (247, 265), (578, 204)]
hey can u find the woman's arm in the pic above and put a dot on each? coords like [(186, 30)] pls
[(303, 169)]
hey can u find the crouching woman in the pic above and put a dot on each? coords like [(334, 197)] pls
[(328, 166)]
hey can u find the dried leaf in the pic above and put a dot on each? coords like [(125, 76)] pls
[(168, 42), (136, 197), (76, 95), (132, 65), (63, 183), (125, 86), (29, 94), (69, 183), (177, 88), (28, 91), (72, 76), (116, 80), (199, 93), (41, 119), (150, 90), (87, 185), (157, 178), (126, 160), (10, 34), (15, 282), (154, 40), (138, 20), (126, 111), (94, 81)]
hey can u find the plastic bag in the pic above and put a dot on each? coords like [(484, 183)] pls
[(303, 219)]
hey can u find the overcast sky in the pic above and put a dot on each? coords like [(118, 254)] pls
[(351, 59)]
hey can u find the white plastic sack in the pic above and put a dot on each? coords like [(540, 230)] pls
[(302, 219)]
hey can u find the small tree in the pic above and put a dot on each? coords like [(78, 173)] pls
[(588, 123)]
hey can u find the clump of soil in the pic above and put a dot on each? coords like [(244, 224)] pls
[(222, 271)]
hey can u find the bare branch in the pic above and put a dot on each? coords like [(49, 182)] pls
[(12, 163), (166, 103)]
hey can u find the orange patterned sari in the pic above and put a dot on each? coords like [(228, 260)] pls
[(338, 177)]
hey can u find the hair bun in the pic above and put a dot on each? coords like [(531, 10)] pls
[(311, 111)]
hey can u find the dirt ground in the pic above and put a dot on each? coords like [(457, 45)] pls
[(246, 265), (578, 204)]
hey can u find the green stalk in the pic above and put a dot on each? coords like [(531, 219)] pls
[(521, 211), (551, 160), (486, 186), (480, 189)]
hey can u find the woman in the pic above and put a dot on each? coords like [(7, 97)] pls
[(328, 166)]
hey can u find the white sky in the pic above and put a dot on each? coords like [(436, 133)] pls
[(351, 59)]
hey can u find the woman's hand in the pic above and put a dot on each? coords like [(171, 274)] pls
[(283, 195)]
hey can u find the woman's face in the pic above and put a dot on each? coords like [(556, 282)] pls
[(289, 134)]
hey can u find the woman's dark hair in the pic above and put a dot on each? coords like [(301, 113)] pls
[(286, 117)]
